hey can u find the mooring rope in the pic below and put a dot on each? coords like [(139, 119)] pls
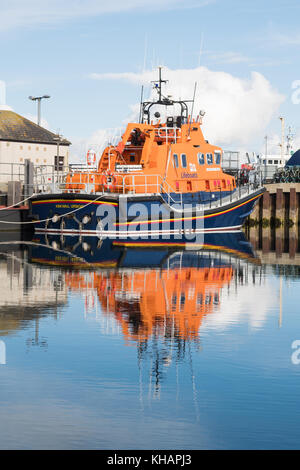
[(17, 203), (50, 218)]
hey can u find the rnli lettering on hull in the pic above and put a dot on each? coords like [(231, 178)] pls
[(189, 175)]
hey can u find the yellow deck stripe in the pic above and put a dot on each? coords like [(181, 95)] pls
[(188, 218)]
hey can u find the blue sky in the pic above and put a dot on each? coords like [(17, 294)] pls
[(55, 48)]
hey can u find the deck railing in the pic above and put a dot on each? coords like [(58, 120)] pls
[(50, 179), (139, 184)]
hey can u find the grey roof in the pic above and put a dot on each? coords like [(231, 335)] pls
[(14, 127)]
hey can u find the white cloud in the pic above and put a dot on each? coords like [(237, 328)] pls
[(237, 110), (251, 302), (97, 142), (280, 39), (18, 13)]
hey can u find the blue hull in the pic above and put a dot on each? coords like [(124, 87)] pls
[(89, 252), (90, 215)]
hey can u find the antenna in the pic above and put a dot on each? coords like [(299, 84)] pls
[(289, 138), (201, 49), (141, 103), (145, 53), (282, 137), (157, 85), (195, 86)]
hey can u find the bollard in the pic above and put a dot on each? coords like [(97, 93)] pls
[(28, 178), (14, 193)]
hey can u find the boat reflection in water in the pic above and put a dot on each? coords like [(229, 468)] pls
[(156, 293)]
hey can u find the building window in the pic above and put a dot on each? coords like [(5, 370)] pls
[(21, 159), (175, 160), (270, 162), (21, 147), (7, 144), (209, 158), (45, 160), (201, 159), (45, 149), (183, 160), (29, 148), (59, 163), (275, 162), (37, 148), (36, 160), (217, 158)]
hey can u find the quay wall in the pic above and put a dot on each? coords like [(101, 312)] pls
[(278, 207)]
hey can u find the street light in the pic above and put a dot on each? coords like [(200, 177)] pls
[(38, 99), (59, 164)]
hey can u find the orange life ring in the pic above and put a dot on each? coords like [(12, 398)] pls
[(108, 180)]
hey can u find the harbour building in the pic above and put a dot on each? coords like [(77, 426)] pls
[(22, 139)]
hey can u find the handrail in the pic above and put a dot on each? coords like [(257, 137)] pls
[(166, 132), (128, 184)]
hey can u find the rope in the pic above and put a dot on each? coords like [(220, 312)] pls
[(17, 203), (50, 218)]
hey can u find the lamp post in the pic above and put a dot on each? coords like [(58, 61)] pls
[(58, 139), (266, 154), (38, 99)]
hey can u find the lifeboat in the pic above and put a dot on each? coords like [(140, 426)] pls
[(163, 176)]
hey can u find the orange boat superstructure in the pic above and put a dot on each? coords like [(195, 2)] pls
[(154, 158)]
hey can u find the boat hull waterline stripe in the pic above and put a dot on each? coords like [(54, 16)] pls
[(127, 233), (74, 201), (119, 224)]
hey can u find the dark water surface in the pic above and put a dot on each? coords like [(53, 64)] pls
[(110, 345)]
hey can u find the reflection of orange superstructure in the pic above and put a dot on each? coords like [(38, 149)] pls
[(167, 302)]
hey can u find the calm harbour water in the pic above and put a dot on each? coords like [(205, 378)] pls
[(117, 346)]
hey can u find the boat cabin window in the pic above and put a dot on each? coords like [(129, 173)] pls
[(217, 158), (175, 160), (201, 160), (209, 158), (183, 160)]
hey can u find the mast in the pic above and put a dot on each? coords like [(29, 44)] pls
[(163, 100), (158, 84), (282, 138)]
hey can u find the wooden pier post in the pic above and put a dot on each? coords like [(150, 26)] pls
[(294, 208), (279, 211), (266, 207)]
